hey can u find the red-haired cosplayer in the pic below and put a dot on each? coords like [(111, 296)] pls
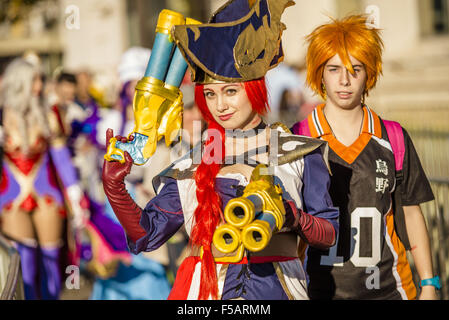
[(377, 179), (36, 179), (290, 201)]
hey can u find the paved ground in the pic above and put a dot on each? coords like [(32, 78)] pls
[(82, 293)]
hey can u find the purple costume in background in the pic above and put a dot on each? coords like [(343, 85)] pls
[(31, 181), (118, 274)]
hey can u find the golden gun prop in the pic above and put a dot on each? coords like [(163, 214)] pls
[(252, 218)]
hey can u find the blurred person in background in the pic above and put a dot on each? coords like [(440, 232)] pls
[(66, 85), (380, 216), (143, 276), (285, 86), (85, 125), (83, 86), (290, 99), (86, 146), (97, 253), (37, 179), (84, 140), (62, 101)]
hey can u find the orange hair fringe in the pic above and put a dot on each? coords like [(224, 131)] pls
[(349, 36)]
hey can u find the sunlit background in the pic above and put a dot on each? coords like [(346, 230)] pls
[(92, 35)]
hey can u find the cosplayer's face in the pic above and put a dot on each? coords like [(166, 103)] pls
[(229, 105), (343, 88), (66, 92)]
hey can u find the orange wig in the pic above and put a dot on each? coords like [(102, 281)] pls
[(349, 36)]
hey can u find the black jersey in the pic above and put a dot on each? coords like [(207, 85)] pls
[(369, 260)]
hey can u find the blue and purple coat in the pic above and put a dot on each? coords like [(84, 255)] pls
[(300, 168)]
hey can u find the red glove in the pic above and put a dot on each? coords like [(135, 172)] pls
[(126, 210), (315, 231)]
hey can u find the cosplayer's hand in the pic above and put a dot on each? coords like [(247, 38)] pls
[(79, 205), (125, 208), (114, 171)]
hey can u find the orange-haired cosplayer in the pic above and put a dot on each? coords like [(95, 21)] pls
[(344, 62), (350, 36)]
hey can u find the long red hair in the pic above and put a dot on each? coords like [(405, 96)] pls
[(208, 213)]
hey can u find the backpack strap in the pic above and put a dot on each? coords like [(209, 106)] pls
[(301, 128), (396, 138), (2, 137)]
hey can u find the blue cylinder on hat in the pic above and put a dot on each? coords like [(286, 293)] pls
[(163, 44), (178, 68), (178, 65), (160, 57)]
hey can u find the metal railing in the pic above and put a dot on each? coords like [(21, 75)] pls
[(11, 284), (436, 214), (433, 149)]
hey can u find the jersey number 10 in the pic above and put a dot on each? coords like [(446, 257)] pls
[(334, 260)]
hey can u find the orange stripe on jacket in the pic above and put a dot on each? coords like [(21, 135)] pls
[(403, 267)]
